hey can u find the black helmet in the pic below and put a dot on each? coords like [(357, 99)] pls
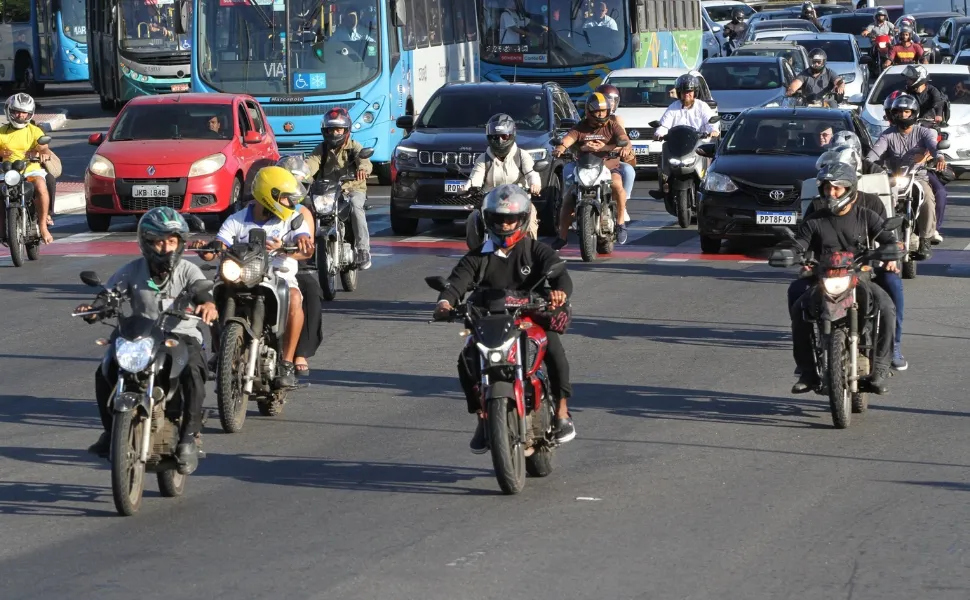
[(597, 102), (500, 132), (738, 15), (881, 12), (916, 75), (808, 10), (814, 57), (686, 83), (843, 175), (905, 102), (506, 203), (336, 118), (158, 224)]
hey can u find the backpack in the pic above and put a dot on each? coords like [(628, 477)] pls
[(518, 164)]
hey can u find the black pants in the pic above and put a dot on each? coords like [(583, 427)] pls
[(51, 192), (556, 362), (801, 330), (192, 382), (312, 335)]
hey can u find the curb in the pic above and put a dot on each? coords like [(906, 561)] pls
[(55, 119), (69, 203)]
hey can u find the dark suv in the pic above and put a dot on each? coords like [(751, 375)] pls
[(431, 165)]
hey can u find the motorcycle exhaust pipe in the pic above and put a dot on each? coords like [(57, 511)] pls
[(251, 366), (854, 346), (146, 438)]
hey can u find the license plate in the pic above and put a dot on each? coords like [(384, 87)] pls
[(776, 218), (180, 87), (149, 191), (455, 186), (641, 150)]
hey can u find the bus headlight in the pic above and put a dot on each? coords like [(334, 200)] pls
[(207, 165), (367, 117), (101, 167)]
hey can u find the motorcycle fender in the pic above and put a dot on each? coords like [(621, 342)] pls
[(594, 202), (129, 401), (278, 290), (245, 325), (506, 389), (682, 183), (835, 309)]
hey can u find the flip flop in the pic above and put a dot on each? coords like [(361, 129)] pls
[(302, 369)]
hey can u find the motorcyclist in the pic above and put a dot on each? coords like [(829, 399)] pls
[(912, 144), (504, 162), (910, 21), (841, 226), (18, 138), (808, 14), (333, 155), (881, 24), (932, 105), (628, 172), (597, 134), (735, 30), (160, 275), (277, 194), (906, 51), (510, 260), (818, 79)]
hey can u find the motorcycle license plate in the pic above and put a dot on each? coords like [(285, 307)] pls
[(455, 186), (149, 191), (776, 218), (641, 150)]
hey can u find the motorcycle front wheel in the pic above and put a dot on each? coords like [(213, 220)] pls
[(127, 471), (326, 274), (508, 453), (15, 236), (586, 228), (840, 398), (683, 208), (230, 372)]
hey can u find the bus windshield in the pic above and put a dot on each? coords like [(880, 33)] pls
[(148, 26), (555, 33), (72, 20), (301, 47)]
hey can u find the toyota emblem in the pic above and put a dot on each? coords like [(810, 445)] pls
[(288, 126), (634, 134), (151, 171), (777, 195)]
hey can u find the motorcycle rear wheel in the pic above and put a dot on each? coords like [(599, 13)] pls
[(508, 458), (586, 229), (127, 472), (348, 280), (909, 269), (171, 483), (231, 399), (838, 379)]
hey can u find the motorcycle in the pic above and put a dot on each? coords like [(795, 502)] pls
[(253, 304), (23, 229), (843, 340), (681, 171), (881, 46), (146, 404), (335, 252), (515, 394)]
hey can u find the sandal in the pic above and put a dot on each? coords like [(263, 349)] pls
[(302, 369)]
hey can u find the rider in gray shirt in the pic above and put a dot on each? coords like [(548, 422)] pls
[(817, 80)]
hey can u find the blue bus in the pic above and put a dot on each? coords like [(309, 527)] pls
[(576, 43), (41, 42), (135, 50), (379, 59)]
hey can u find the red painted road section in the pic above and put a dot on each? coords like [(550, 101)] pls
[(70, 187)]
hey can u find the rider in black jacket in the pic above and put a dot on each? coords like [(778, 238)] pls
[(510, 260)]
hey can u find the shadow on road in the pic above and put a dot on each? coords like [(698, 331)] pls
[(701, 334), (954, 486), (45, 499), (56, 412)]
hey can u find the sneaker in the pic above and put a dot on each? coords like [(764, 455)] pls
[(899, 361), (187, 455), (478, 443), (621, 235), (363, 259), (924, 252), (565, 430), (559, 244), (936, 238), (102, 447), (878, 383), (806, 383)]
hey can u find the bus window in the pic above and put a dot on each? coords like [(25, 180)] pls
[(416, 28), (434, 22), (16, 11), (448, 13)]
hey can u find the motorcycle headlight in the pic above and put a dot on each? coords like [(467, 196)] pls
[(836, 285), (231, 271), (715, 182), (496, 355), (588, 177), (325, 204), (134, 356), (11, 178), (207, 165), (247, 274), (683, 162)]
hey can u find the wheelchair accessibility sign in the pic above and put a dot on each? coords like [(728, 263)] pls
[(303, 81)]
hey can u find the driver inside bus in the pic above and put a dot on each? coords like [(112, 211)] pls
[(602, 19), (352, 27)]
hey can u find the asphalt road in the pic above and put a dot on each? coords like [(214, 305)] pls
[(695, 475)]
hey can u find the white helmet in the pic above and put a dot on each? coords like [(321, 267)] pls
[(845, 154), (295, 164), (19, 103)]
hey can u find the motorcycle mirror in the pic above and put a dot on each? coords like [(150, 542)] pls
[(437, 283), (706, 150), (784, 232), (893, 223), (556, 270), (195, 223), (90, 279), (865, 59), (944, 145), (714, 119), (541, 166), (19, 165), (43, 140), (888, 252), (568, 123), (297, 222), (366, 153), (782, 258), (654, 124)]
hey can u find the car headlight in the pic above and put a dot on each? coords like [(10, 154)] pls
[(875, 129), (715, 182), (848, 77), (11, 178), (538, 155), (836, 285), (134, 356), (207, 165), (404, 153), (101, 166), (325, 204), (588, 177), (367, 117)]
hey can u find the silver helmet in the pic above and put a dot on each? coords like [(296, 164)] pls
[(506, 204), (19, 103)]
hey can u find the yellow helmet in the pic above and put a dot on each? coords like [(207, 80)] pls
[(273, 184)]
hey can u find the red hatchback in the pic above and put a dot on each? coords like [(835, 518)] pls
[(190, 152)]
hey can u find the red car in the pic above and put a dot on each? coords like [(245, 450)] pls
[(191, 152)]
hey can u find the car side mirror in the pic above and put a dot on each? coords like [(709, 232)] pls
[(297, 222), (90, 279), (96, 139), (568, 123), (943, 145), (252, 137), (405, 122), (181, 17), (194, 222), (706, 150), (654, 124), (366, 153), (782, 258), (893, 223), (437, 283), (865, 59), (714, 119), (541, 166), (43, 140)]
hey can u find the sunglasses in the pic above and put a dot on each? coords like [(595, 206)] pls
[(505, 219), (502, 136)]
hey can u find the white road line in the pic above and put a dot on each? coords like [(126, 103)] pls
[(968, 247), (78, 238), (671, 259), (84, 255)]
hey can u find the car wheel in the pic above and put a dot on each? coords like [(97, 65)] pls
[(710, 245), (98, 223), (400, 224)]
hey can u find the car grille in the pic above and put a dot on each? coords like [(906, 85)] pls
[(464, 159), (452, 201), (763, 193), (170, 181), (128, 203), (166, 60), (175, 199), (640, 133), (303, 110), (648, 159)]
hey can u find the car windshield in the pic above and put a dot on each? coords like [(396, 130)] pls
[(786, 53), (787, 135), (299, 47), (473, 107), (180, 121), (854, 24), (558, 33), (650, 92), (955, 86), (725, 12), (835, 50), (785, 24), (754, 76), (72, 20), (148, 26), (928, 26)]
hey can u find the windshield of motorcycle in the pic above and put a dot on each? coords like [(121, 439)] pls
[(588, 160), (681, 140), (493, 330), (135, 327)]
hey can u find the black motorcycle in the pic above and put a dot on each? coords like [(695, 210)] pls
[(23, 227), (146, 402), (681, 171)]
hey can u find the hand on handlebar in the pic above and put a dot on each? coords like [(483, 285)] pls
[(305, 245), (273, 244), (556, 298), (361, 175), (83, 308), (207, 312), (442, 311)]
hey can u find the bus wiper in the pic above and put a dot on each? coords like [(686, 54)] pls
[(266, 20)]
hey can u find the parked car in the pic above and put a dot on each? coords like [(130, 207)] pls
[(450, 133), (945, 36), (190, 152), (790, 51), (742, 82), (761, 29), (844, 57), (755, 180), (722, 11)]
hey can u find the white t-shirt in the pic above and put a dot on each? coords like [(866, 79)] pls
[(607, 22), (242, 222), (505, 24), (696, 116)]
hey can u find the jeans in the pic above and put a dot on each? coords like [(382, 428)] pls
[(192, 383), (940, 192), (358, 220), (888, 281), (629, 175), (556, 363)]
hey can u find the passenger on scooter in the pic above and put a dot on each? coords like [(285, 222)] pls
[(735, 30), (597, 134), (906, 51), (841, 226), (881, 24), (332, 157), (912, 144), (628, 165), (932, 105), (504, 162), (817, 79), (18, 138), (277, 194)]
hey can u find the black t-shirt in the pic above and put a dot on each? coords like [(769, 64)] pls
[(735, 31), (931, 102), (864, 200), (819, 232)]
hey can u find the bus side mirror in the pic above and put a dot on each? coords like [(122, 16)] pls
[(181, 17), (398, 16)]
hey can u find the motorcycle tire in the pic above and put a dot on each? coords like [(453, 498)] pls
[(171, 483), (33, 251), (683, 209), (586, 228), (508, 458), (127, 472), (838, 379), (327, 277), (348, 280), (860, 400), (230, 398), (909, 269), (15, 238), (270, 408), (540, 463)]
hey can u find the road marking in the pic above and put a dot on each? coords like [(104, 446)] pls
[(753, 262), (85, 255), (671, 259), (78, 238), (589, 499), (464, 561), (968, 247)]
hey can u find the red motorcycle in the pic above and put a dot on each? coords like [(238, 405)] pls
[(881, 45), (514, 390)]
